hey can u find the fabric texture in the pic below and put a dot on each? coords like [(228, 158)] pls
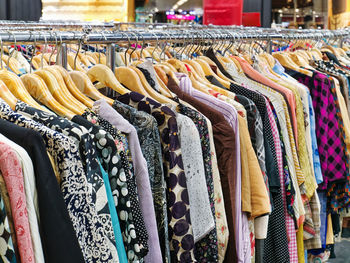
[(226, 151), (57, 235), (149, 138), (12, 172), (115, 163), (7, 254), (141, 176), (31, 196), (74, 186), (180, 226), (87, 149)]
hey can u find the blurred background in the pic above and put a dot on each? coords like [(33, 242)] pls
[(330, 14)]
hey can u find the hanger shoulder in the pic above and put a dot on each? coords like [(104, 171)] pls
[(57, 92), (104, 74), (38, 89), (84, 84), (7, 96), (15, 85), (72, 87)]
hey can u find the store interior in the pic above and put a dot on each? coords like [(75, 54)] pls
[(175, 131)]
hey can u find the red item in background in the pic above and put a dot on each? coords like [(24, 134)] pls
[(251, 19), (223, 12)]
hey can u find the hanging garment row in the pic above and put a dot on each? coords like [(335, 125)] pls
[(207, 150)]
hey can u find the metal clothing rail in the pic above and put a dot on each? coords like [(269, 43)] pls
[(178, 35), (186, 35)]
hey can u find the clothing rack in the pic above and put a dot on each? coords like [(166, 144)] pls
[(192, 34)]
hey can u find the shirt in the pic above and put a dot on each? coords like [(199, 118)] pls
[(91, 236), (201, 216), (330, 145), (141, 176), (87, 149), (147, 131), (123, 185), (178, 203), (226, 151), (315, 155), (230, 115), (12, 172), (57, 235), (209, 249), (31, 196), (286, 131)]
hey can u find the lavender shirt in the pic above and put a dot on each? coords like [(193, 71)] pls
[(141, 175), (230, 114)]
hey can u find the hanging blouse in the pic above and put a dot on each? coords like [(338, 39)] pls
[(12, 172), (31, 196), (225, 149), (87, 149), (147, 131), (201, 216), (180, 228), (330, 145), (51, 202), (74, 186), (141, 176), (207, 250), (123, 187), (255, 126)]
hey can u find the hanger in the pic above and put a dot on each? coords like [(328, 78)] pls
[(56, 84), (38, 89), (71, 90), (104, 74), (7, 96), (15, 85), (84, 84), (129, 78), (149, 90), (58, 93), (69, 85)]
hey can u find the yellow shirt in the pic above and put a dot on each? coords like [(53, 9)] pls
[(305, 164)]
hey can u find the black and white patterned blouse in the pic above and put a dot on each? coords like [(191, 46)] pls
[(123, 187), (180, 226), (75, 188), (147, 131), (87, 149)]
